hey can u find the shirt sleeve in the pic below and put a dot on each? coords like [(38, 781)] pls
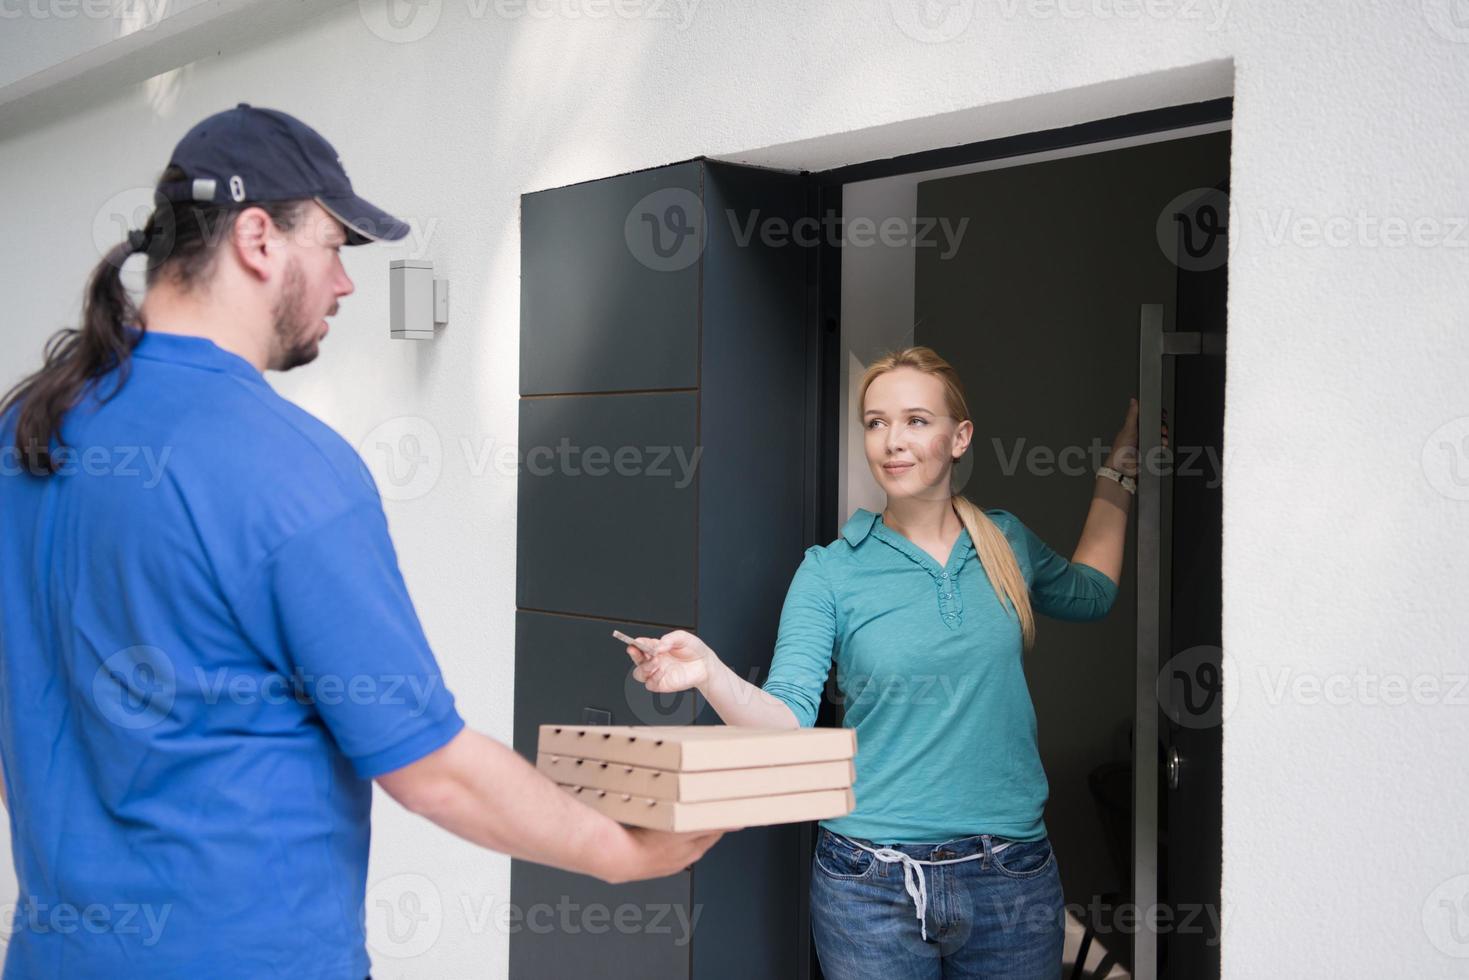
[(332, 603), (1059, 588), (805, 642)]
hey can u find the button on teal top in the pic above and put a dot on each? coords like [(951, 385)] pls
[(929, 667)]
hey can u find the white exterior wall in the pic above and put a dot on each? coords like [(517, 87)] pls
[(1347, 509)]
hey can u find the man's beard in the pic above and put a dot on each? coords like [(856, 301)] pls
[(295, 337)]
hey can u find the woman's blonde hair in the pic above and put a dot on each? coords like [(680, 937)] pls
[(993, 548)]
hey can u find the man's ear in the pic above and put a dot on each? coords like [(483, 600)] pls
[(252, 241)]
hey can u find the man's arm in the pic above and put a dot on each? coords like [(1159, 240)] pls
[(483, 791)]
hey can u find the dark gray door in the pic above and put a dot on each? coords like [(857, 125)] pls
[(666, 382), (1190, 799)]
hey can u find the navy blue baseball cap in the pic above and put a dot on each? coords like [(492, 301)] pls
[(247, 155)]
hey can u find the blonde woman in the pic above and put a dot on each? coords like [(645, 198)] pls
[(944, 869)]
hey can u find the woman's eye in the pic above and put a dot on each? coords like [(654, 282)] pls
[(873, 422), (917, 419)]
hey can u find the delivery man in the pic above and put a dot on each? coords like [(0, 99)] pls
[(207, 652)]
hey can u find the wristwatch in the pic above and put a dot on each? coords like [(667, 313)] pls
[(1128, 483)]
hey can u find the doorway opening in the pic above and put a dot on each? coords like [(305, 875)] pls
[(1061, 273)]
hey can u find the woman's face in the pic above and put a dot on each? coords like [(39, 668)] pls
[(911, 441)]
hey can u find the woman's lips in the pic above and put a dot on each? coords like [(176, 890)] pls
[(897, 467)]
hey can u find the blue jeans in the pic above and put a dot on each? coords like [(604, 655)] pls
[(999, 915)]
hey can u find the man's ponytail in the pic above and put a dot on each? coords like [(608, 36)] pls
[(73, 358), (180, 241)]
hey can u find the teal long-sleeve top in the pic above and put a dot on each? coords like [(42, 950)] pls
[(929, 669)]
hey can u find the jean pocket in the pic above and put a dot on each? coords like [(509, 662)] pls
[(1025, 858), (838, 859)]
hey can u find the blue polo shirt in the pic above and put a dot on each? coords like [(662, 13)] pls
[(929, 668), (207, 652)]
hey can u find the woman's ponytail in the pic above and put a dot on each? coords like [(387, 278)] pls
[(998, 559)]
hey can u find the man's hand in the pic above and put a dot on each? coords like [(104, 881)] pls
[(657, 853)]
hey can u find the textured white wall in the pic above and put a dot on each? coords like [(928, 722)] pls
[(1346, 513)]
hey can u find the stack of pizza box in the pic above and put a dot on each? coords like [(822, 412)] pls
[(703, 777)]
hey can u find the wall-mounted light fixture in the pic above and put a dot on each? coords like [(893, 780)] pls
[(417, 302)]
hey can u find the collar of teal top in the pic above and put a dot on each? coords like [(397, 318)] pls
[(186, 349), (858, 526)]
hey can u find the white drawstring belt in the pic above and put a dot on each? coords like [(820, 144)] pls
[(914, 881)]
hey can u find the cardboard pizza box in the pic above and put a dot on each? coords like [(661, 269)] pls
[(697, 748), (751, 811), (697, 787)]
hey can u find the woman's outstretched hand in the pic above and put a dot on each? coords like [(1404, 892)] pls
[(1123, 457), (675, 662)]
